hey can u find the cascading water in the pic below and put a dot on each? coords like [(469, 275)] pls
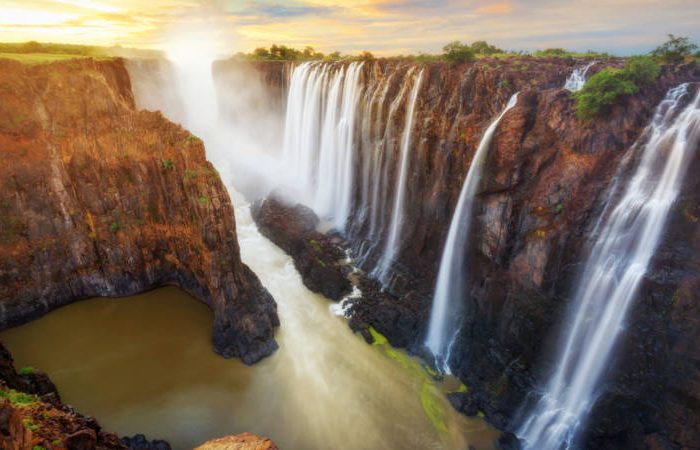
[(397, 216), (319, 137), (627, 237), (449, 292), (577, 78)]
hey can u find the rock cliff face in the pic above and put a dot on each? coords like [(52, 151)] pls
[(545, 179), (99, 199)]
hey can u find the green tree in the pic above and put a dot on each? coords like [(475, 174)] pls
[(608, 86), (261, 53), (456, 52), (675, 50), (484, 48)]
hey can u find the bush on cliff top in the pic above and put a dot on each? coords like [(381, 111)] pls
[(456, 52), (609, 85)]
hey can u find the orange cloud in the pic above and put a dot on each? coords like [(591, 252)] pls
[(497, 8)]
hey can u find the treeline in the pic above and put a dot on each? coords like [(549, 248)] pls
[(49, 48), (454, 52), (283, 53)]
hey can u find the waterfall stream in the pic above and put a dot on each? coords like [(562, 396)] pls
[(446, 311), (319, 142), (397, 215), (626, 239), (577, 78)]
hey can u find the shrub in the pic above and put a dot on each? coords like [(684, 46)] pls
[(606, 87), (114, 227), (675, 50), (484, 48), (552, 52), (456, 52), (167, 164), (601, 91)]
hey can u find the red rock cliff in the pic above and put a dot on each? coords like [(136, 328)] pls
[(99, 199)]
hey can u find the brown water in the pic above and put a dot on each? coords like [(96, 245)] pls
[(145, 364)]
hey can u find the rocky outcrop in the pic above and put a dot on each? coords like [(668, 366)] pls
[(32, 415), (244, 441), (544, 184), (318, 258), (99, 199)]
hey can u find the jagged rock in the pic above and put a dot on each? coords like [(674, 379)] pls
[(318, 259), (99, 199), (544, 182)]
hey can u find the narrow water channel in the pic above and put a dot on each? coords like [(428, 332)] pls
[(145, 364)]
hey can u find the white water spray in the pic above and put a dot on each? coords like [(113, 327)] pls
[(627, 239), (449, 292), (577, 78)]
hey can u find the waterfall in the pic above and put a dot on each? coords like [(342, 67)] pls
[(319, 138), (577, 78), (627, 237), (449, 291), (397, 216)]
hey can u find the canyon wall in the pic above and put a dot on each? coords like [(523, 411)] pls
[(101, 199), (545, 181)]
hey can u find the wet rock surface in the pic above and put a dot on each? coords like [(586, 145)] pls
[(99, 199), (318, 258), (545, 181)]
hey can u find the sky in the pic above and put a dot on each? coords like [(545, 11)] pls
[(384, 27)]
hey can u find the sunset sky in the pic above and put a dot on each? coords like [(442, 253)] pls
[(381, 26)]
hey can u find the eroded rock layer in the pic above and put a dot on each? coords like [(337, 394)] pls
[(544, 184), (99, 199)]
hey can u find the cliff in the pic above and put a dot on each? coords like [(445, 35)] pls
[(100, 199), (544, 184)]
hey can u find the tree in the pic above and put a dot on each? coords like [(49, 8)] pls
[(366, 56), (261, 53), (456, 52), (675, 50), (484, 48)]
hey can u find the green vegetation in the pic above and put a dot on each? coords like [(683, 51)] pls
[(41, 52), (28, 424), (455, 52), (204, 200), (608, 86), (430, 400), (675, 50), (484, 48), (190, 174), (17, 398), (114, 227), (283, 53), (39, 447), (27, 370), (168, 164)]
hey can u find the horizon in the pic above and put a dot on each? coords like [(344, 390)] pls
[(383, 27)]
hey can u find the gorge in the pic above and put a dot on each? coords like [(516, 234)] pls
[(539, 270)]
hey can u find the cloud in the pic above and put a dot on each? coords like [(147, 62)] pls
[(496, 8), (381, 26)]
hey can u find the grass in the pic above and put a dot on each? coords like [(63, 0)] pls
[(18, 398), (42, 58), (27, 370)]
